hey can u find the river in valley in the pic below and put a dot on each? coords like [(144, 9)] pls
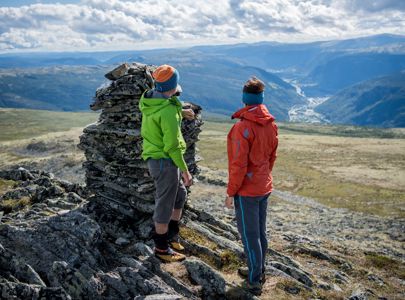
[(306, 112)]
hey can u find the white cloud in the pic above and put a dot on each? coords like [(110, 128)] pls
[(375, 5), (119, 24)]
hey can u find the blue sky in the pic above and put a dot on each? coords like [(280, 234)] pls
[(122, 24)]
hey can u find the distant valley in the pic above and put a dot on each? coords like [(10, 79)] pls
[(321, 82), (375, 101)]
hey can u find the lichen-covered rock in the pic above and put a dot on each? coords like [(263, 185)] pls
[(293, 272), (128, 282), (159, 297), (72, 281), (361, 294), (17, 291), (117, 72), (211, 281)]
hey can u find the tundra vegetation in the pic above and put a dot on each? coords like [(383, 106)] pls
[(338, 210)]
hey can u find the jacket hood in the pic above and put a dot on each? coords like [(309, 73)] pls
[(149, 105), (255, 113)]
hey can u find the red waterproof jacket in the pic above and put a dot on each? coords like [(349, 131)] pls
[(252, 144)]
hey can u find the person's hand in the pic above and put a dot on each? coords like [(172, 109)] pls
[(187, 178), (188, 114), (229, 202)]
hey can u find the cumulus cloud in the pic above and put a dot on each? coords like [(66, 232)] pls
[(375, 5), (122, 24)]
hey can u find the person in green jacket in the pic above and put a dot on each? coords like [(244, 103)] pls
[(163, 149)]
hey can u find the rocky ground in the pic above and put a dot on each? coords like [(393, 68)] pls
[(292, 215), (354, 243), (54, 152), (342, 252), (56, 245)]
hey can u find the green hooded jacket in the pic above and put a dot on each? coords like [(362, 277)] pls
[(161, 129)]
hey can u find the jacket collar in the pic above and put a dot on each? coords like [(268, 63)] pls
[(255, 113)]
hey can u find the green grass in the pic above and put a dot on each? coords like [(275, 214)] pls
[(213, 145), (18, 124), (215, 117), (213, 120), (386, 263), (332, 191), (341, 130)]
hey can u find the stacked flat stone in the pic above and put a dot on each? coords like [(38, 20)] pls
[(115, 171)]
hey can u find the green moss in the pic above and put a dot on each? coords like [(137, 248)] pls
[(195, 237), (48, 213), (10, 205), (380, 261), (289, 286), (230, 261), (329, 295), (6, 185), (391, 266), (210, 260)]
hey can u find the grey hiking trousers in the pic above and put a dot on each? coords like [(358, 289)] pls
[(170, 190)]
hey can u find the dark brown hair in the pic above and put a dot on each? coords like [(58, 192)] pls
[(253, 86)]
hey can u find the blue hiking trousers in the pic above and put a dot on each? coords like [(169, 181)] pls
[(251, 213)]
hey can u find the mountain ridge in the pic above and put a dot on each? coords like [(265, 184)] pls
[(378, 101), (70, 88), (211, 76)]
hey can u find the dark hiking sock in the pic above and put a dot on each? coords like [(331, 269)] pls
[(161, 241), (173, 229)]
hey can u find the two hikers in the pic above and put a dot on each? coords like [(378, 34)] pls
[(252, 143), (163, 148)]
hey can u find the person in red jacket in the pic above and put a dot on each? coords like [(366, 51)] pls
[(252, 143)]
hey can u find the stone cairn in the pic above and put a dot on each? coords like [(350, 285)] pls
[(115, 171)]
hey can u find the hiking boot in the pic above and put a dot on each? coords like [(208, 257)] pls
[(253, 288), (169, 255), (244, 272), (176, 245)]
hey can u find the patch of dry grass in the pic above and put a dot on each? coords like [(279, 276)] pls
[(9, 205), (195, 237), (18, 124), (361, 174), (387, 264), (6, 185)]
